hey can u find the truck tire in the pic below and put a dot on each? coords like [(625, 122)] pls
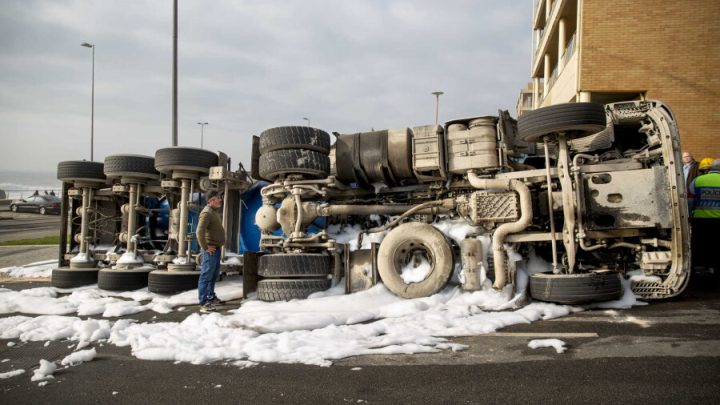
[(183, 158), (131, 166), (80, 170), (398, 247), (291, 265), (294, 161), (576, 120), (255, 159), (279, 289), (172, 282), (64, 277), (294, 138), (123, 280), (595, 142), (573, 289)]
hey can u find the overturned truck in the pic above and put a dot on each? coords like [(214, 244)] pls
[(595, 190), (131, 219)]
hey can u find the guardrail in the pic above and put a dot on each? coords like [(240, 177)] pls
[(14, 194)]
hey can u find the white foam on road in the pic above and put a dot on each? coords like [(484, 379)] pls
[(12, 373), (89, 301), (45, 371), (319, 330), (326, 327), (79, 357), (313, 331), (32, 270), (557, 344)]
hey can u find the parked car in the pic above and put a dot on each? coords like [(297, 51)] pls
[(42, 204)]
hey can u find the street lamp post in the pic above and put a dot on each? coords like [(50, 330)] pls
[(92, 101), (307, 119), (202, 132), (174, 76), (437, 105)]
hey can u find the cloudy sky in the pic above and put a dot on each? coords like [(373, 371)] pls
[(245, 66)]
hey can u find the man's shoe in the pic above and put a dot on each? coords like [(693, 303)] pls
[(217, 301), (207, 307)]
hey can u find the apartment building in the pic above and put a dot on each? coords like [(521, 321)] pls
[(614, 50)]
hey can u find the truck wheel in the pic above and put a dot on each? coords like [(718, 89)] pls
[(183, 158), (591, 143), (172, 282), (284, 265), (294, 138), (80, 170), (575, 289), (279, 289), (294, 161), (576, 120), (400, 247), (64, 277), (131, 166), (123, 280)]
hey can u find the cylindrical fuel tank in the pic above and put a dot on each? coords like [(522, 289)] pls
[(473, 146), (369, 158)]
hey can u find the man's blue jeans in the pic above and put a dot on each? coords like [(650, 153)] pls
[(209, 270)]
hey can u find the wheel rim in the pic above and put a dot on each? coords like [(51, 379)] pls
[(396, 250), (413, 251), (42, 211)]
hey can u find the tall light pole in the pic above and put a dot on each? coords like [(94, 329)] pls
[(307, 119), (174, 76), (437, 105), (202, 133), (92, 101)]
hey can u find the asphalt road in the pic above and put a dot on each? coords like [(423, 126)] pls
[(25, 225), (18, 226), (667, 352)]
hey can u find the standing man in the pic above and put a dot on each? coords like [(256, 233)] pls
[(706, 218), (690, 168), (211, 237)]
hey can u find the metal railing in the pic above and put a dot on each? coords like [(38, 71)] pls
[(553, 77), (16, 194), (569, 50)]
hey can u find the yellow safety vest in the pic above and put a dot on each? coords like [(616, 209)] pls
[(706, 189)]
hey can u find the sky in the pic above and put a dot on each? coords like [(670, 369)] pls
[(243, 67)]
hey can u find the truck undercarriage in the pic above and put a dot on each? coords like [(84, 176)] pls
[(597, 191)]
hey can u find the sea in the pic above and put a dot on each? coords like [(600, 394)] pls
[(17, 184)]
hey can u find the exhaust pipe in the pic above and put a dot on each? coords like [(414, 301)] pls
[(506, 229)]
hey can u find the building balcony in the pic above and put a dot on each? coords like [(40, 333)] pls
[(562, 85), (547, 34)]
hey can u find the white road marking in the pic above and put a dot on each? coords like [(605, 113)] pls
[(545, 335)]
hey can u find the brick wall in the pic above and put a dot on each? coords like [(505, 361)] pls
[(670, 49)]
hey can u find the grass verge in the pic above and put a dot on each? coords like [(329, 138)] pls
[(45, 240)]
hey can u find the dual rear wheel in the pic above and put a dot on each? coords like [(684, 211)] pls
[(294, 150), (287, 276)]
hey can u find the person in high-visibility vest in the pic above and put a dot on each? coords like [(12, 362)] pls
[(705, 190)]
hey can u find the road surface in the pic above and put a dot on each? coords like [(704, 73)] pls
[(667, 352), (16, 226)]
